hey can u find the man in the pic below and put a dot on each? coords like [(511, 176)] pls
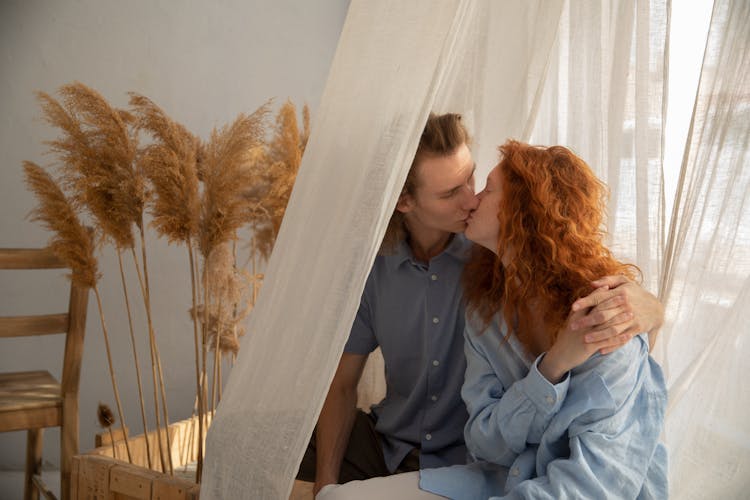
[(411, 308)]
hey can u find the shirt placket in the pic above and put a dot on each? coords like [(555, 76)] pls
[(435, 325)]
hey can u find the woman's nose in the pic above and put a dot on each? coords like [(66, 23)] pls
[(471, 201)]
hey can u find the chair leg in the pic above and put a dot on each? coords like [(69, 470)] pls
[(33, 463), (68, 444)]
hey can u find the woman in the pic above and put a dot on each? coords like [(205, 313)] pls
[(545, 419), (548, 418)]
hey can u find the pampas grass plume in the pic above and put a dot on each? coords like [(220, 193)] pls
[(97, 153), (170, 163), (225, 169), (71, 241)]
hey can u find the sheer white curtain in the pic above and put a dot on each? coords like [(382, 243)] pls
[(705, 344), (585, 73), (396, 61)]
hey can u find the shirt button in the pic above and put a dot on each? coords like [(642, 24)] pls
[(428, 436), (436, 320), (549, 399), (435, 362), (514, 471), (434, 398), (433, 277)]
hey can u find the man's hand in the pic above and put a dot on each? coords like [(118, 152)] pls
[(619, 310)]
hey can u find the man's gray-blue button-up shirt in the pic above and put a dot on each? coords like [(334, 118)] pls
[(413, 311)]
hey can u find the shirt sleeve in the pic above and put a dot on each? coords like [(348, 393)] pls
[(503, 421), (612, 419), (362, 338)]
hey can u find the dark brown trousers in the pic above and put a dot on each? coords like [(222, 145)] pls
[(363, 458)]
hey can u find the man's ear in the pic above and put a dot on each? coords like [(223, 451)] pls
[(405, 203)]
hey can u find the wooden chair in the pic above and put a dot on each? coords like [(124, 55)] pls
[(34, 400)]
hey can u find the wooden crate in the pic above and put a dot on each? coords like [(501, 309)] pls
[(100, 475), (103, 478), (105, 473)]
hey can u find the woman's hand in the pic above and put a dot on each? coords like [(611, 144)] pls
[(569, 350)]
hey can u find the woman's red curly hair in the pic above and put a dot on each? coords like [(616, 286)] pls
[(550, 217)]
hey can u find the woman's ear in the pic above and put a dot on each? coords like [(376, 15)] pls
[(405, 203)]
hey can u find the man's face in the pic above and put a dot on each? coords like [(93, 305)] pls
[(444, 195)]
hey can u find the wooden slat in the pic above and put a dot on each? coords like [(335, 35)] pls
[(105, 438), (42, 487), (131, 482), (22, 420), (29, 400), (183, 437), (174, 488), (26, 326), (29, 258), (33, 385), (93, 477)]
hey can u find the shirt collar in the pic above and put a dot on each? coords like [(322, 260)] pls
[(458, 248)]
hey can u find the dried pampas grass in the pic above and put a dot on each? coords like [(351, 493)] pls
[(170, 164), (97, 153), (225, 169), (279, 163), (198, 193), (71, 240), (227, 289)]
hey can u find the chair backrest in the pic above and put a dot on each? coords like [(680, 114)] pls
[(72, 323)]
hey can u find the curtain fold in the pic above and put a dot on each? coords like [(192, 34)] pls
[(706, 277)]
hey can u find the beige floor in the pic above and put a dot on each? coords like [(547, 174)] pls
[(11, 485)]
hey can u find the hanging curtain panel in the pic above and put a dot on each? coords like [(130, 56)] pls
[(604, 98), (706, 280), (396, 61)]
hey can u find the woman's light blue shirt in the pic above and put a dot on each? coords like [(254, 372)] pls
[(593, 435)]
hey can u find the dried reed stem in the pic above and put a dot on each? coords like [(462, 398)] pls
[(135, 358), (204, 361), (217, 356), (112, 439), (152, 334), (194, 315), (112, 371), (153, 367)]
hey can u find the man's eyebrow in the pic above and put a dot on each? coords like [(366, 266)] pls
[(455, 188)]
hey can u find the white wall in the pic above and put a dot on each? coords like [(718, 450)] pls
[(203, 63)]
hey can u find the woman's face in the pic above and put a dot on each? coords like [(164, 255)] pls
[(483, 225)]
